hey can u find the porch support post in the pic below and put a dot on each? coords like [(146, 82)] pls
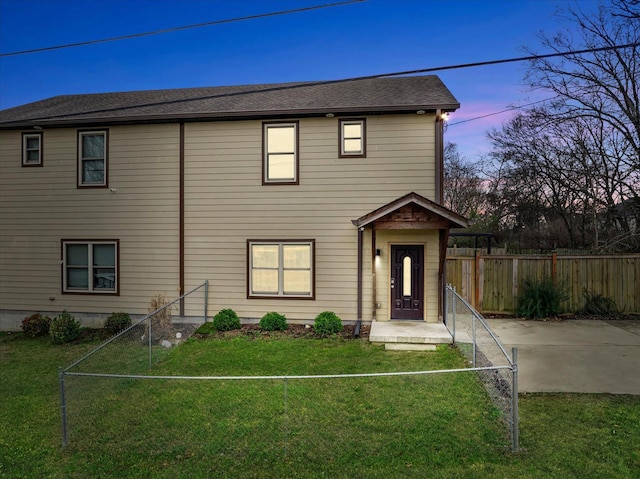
[(373, 272), (360, 235)]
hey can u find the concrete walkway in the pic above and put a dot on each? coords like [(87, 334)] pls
[(582, 356)]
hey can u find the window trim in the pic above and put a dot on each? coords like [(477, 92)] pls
[(90, 290), (296, 153), (351, 121), (281, 294), (81, 134), (25, 137)]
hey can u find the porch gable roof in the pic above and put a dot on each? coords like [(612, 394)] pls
[(444, 217)]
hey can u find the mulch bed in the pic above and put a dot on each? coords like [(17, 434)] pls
[(293, 331)]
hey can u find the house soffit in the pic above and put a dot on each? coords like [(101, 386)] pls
[(412, 211)]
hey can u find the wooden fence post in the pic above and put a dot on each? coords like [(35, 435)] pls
[(478, 281)]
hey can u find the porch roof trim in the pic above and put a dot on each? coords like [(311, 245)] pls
[(454, 219)]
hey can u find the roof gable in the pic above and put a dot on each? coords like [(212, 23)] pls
[(413, 209)]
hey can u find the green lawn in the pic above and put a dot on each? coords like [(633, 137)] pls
[(439, 426)]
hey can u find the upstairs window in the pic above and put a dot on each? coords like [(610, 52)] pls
[(280, 152), (281, 269), (92, 158), (352, 138), (32, 149), (90, 266)]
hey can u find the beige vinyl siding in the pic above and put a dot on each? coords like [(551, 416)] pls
[(430, 240), (226, 205), (40, 208)]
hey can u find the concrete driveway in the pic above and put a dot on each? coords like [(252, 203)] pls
[(582, 356)]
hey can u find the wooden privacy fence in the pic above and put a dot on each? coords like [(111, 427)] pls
[(491, 283)]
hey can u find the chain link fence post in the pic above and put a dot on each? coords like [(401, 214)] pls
[(206, 300), (63, 408), (515, 437)]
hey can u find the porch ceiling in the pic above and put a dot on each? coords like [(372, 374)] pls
[(412, 211)]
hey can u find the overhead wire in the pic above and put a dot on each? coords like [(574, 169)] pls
[(502, 111), (185, 27)]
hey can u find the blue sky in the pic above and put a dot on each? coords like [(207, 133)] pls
[(365, 38)]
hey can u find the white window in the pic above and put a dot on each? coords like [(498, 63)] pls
[(281, 269), (90, 266), (352, 138), (92, 158), (32, 149), (280, 150)]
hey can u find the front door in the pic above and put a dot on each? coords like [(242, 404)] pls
[(407, 282)]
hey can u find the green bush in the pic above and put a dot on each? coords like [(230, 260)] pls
[(206, 328), (273, 322), (36, 325), (116, 322), (64, 328), (327, 323), (226, 320), (540, 298), (598, 305)]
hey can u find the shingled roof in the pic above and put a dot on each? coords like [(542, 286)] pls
[(364, 96)]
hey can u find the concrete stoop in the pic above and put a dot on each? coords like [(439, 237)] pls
[(409, 335)]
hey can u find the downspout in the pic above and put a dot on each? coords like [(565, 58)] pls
[(181, 220), (356, 332)]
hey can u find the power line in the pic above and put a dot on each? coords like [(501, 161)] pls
[(501, 111), (498, 62), (186, 27)]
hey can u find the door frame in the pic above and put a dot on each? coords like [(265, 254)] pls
[(421, 279)]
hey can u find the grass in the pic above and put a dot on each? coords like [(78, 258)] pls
[(439, 426)]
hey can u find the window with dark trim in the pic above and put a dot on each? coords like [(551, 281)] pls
[(93, 147), (32, 149), (90, 266), (352, 138), (280, 153), (281, 269)]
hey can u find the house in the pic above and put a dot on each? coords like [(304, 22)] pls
[(294, 197)]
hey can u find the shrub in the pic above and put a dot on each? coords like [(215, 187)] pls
[(327, 323), (116, 322), (540, 298), (273, 322), (36, 325), (598, 305), (226, 320), (64, 328), (206, 328)]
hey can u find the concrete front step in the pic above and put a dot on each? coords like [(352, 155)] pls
[(409, 347), (409, 332)]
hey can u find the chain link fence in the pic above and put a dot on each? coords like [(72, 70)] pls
[(497, 369), (120, 393), (132, 351)]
